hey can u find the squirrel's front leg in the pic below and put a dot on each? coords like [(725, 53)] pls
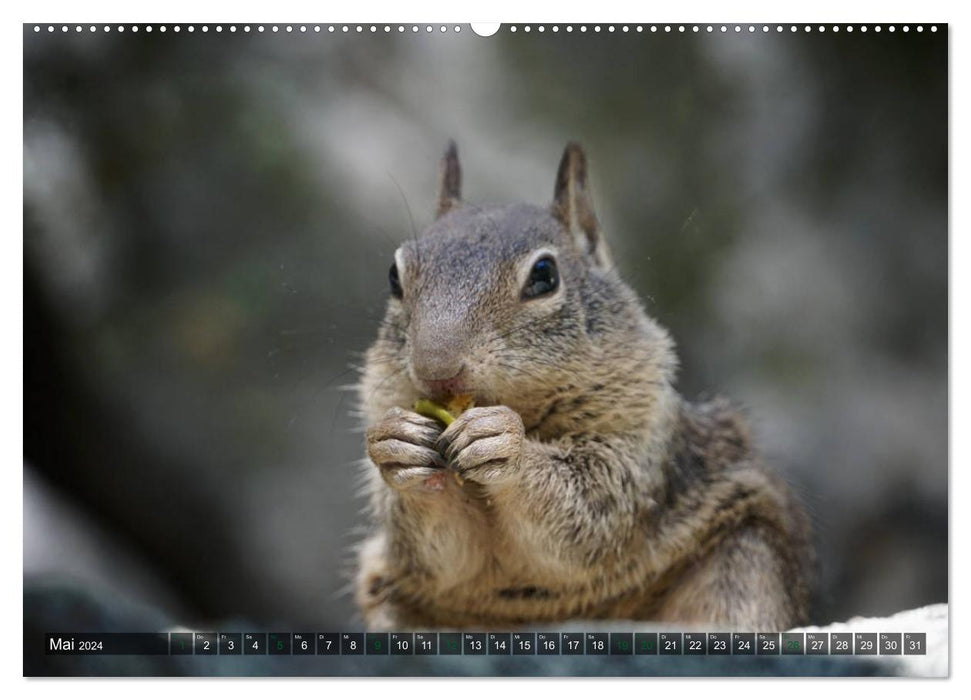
[(401, 445), (570, 502)]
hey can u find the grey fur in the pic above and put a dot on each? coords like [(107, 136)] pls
[(582, 485)]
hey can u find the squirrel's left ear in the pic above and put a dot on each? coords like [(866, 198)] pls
[(572, 205), (449, 181)]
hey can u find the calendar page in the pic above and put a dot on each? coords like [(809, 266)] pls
[(524, 349)]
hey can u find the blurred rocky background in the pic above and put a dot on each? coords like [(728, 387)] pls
[(209, 219)]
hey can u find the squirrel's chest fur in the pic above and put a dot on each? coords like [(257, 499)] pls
[(458, 561)]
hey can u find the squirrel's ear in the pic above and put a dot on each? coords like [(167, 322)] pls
[(449, 180), (572, 205)]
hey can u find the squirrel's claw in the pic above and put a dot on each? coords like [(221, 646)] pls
[(482, 443)]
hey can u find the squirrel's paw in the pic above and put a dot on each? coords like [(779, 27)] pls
[(483, 443), (402, 446)]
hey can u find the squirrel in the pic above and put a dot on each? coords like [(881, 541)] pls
[(584, 486)]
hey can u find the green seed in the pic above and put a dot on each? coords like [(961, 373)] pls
[(430, 409)]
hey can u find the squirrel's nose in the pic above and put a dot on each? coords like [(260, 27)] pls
[(438, 352), (450, 386)]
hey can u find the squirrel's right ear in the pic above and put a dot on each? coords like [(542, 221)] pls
[(449, 181), (573, 207)]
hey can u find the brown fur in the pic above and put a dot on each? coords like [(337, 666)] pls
[(584, 486)]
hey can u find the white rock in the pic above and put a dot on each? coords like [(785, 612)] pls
[(932, 619)]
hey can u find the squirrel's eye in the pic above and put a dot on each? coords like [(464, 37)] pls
[(543, 279), (396, 290)]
